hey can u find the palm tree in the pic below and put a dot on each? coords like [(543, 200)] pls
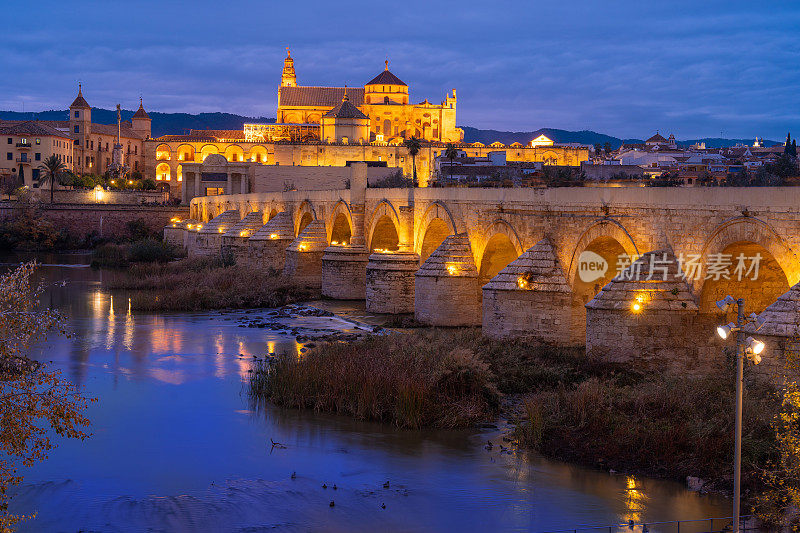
[(451, 153), (413, 146), (52, 168)]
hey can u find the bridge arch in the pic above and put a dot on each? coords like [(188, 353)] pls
[(306, 214), (340, 224), (501, 245), (602, 230), (434, 227), (740, 242), (384, 228)]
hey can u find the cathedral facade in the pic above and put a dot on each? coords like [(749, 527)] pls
[(384, 100)]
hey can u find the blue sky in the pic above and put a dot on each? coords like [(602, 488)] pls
[(695, 69)]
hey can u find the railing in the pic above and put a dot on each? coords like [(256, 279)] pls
[(703, 525), (24, 160), (23, 145)]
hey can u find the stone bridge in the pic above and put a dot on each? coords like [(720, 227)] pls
[(507, 258)]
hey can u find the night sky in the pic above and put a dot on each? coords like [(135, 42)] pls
[(696, 69)]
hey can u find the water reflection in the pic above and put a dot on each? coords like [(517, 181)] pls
[(177, 446)]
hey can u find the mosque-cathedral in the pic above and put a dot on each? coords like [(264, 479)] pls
[(332, 127)]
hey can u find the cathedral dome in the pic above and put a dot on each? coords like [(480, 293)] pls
[(386, 78)]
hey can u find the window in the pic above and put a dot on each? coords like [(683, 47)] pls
[(9, 140), (38, 141), (135, 150), (9, 156), (77, 114), (35, 174), (38, 156), (92, 143), (76, 129), (214, 191)]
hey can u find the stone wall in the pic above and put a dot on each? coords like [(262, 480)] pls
[(344, 273), (390, 282), (107, 221), (657, 341), (273, 178), (542, 316)]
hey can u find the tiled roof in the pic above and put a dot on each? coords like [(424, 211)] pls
[(536, 269), (666, 290), (656, 139), (314, 238), (80, 102), (281, 226), (218, 134), (111, 129), (320, 96), (185, 138), (246, 227), (30, 127), (452, 258), (141, 113), (782, 318), (222, 221), (346, 110), (386, 78)]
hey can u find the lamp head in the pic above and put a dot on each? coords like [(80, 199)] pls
[(725, 303), (725, 330), (753, 348)]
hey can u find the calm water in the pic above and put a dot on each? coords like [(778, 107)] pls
[(177, 447)]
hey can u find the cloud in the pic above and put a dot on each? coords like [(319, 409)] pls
[(624, 68)]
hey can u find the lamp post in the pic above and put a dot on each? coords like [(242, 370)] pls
[(752, 348)]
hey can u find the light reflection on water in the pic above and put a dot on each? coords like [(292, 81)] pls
[(177, 446)]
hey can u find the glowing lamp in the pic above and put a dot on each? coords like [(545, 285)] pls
[(754, 346), (243, 233), (522, 283), (273, 236), (302, 247), (452, 270), (334, 243), (636, 307), (725, 330)]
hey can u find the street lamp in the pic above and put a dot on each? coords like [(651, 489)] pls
[(751, 348)]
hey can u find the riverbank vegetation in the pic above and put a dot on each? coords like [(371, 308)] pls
[(35, 402), (196, 284), (564, 406), (111, 255)]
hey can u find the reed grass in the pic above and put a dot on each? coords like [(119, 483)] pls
[(204, 283)]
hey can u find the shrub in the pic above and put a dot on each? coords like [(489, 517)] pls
[(411, 381), (151, 250), (110, 255)]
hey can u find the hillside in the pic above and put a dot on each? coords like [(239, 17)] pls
[(181, 123)]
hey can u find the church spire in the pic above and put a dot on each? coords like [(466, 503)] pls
[(288, 77)]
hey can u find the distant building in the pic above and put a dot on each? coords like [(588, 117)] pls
[(26, 144)]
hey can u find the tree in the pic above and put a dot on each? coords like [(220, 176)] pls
[(607, 148), (451, 153), (414, 147), (794, 148), (598, 148), (34, 402), (52, 168)]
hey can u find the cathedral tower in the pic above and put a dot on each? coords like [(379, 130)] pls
[(288, 78)]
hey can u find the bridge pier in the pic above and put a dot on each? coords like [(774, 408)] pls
[(234, 240), (344, 271), (209, 238), (304, 255), (652, 324), (446, 287), (390, 282), (531, 298), (267, 247)]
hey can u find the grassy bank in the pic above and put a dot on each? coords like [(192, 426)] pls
[(204, 283), (412, 382), (565, 407)]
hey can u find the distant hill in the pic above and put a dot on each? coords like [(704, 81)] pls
[(181, 123), (584, 137), (163, 123)]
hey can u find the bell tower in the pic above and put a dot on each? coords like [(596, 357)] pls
[(80, 116), (288, 78)]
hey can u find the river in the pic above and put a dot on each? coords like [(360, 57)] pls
[(177, 446)]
